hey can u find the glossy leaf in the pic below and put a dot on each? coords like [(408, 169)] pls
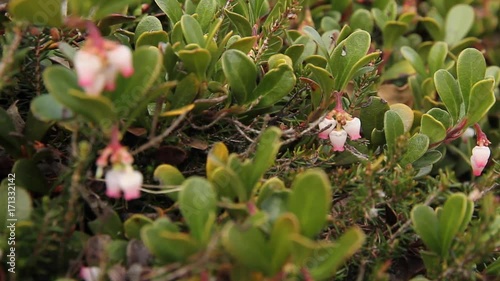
[(392, 31), (405, 113), (47, 108), (276, 84), (449, 92), (217, 157), (426, 225), (310, 200), (393, 128), (459, 20), (414, 58), (323, 77), (197, 61), (37, 12), (197, 202), (429, 158), (341, 250), (152, 38), (450, 220), (185, 92), (442, 116), (241, 24), (206, 11), (133, 225), (482, 98), (471, 68), (433, 27), (434, 129), (166, 245), (192, 30), (416, 147), (280, 242), (147, 24), (372, 115), (241, 74), (172, 8), (437, 56)]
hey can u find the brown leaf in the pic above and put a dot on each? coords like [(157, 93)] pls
[(169, 154)]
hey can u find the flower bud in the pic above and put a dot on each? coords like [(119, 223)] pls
[(479, 159)]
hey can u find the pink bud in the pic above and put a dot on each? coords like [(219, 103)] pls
[(323, 124), (467, 134), (338, 139), (353, 128), (479, 159), (121, 58), (90, 273)]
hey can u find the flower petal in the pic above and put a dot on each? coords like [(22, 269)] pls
[(90, 273), (112, 178), (353, 127), (130, 183), (323, 124), (121, 58), (87, 66), (338, 139)]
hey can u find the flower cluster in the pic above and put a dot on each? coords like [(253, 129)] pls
[(338, 124), (99, 61), (480, 153), (122, 177)]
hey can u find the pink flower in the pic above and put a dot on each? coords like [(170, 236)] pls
[(353, 127), (127, 181), (323, 124), (121, 58), (479, 159), (338, 139), (90, 273)]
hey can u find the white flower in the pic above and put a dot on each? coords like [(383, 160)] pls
[(338, 139), (479, 159), (97, 70), (323, 124), (353, 128), (127, 181), (90, 273)]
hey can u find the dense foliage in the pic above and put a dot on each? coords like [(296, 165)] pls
[(250, 140)]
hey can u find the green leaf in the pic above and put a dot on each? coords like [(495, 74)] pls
[(217, 157), (185, 92), (131, 92), (206, 11), (38, 12), (372, 115), (244, 44), (471, 68), (192, 31), (29, 176), (434, 129), (248, 246), (7, 140), (276, 84), (13, 195), (197, 202), (241, 24), (482, 98), (241, 74), (426, 225), (429, 158), (415, 149), (147, 24), (442, 116), (268, 147), (405, 113), (166, 244), (433, 27), (47, 108), (393, 128), (458, 22), (437, 56), (153, 38), (197, 61), (228, 184), (392, 31), (361, 19), (105, 8), (346, 56), (169, 175), (449, 92), (280, 243), (323, 77), (414, 58), (62, 85), (108, 223), (310, 200), (172, 8), (314, 35), (133, 225), (450, 220), (467, 216), (338, 253)]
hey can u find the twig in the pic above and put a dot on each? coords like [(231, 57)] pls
[(311, 127), (154, 122), (9, 55), (156, 140), (204, 127)]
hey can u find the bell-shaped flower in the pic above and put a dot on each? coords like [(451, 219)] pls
[(127, 181), (323, 124), (353, 128), (338, 139), (90, 273), (121, 58), (479, 159), (88, 67)]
